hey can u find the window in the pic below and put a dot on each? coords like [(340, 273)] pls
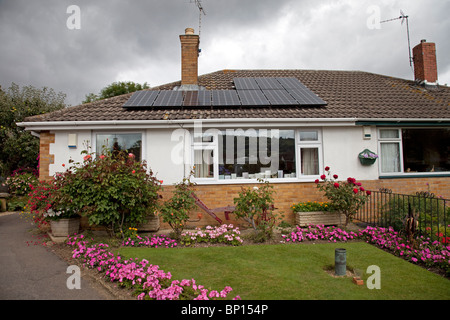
[(309, 151), (414, 150), (126, 142), (250, 154)]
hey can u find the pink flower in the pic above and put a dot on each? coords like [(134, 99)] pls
[(102, 157), (86, 158), (133, 172)]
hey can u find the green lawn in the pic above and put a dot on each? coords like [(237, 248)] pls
[(295, 272)]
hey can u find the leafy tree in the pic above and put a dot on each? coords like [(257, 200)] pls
[(115, 89), (18, 148)]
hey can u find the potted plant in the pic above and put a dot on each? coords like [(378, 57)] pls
[(367, 157), (152, 222), (316, 213), (345, 197), (63, 223)]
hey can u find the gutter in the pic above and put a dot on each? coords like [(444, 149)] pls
[(185, 123), (225, 122)]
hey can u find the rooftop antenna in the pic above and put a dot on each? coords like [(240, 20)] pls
[(403, 17), (201, 10)]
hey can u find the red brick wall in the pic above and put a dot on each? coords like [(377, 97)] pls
[(215, 196), (425, 65), (189, 58), (45, 158)]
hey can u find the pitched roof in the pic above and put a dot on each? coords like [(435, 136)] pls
[(349, 94)]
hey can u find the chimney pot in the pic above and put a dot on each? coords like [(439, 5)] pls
[(189, 31)]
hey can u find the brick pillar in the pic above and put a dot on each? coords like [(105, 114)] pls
[(189, 57), (45, 158), (425, 65)]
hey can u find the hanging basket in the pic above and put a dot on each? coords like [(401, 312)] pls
[(367, 157)]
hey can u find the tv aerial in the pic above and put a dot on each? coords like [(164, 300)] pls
[(201, 11), (403, 18)]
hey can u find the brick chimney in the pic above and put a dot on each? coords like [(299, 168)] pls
[(189, 58), (425, 66)]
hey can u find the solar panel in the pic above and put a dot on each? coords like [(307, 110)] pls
[(279, 97), (245, 84), (225, 98), (142, 99), (259, 91), (268, 83), (290, 83), (253, 98), (306, 97), (204, 98), (190, 99), (168, 98)]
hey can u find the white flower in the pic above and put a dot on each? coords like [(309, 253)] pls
[(255, 188)]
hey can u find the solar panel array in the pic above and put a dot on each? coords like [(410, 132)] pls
[(249, 92)]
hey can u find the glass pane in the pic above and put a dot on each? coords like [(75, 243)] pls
[(309, 136), (426, 150), (256, 153), (203, 162), (389, 134), (309, 161), (390, 157), (124, 142)]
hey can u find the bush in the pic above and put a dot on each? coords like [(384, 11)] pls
[(345, 196), (175, 211), (21, 180), (255, 205), (111, 190)]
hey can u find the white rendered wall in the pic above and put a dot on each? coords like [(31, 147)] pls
[(63, 153), (166, 149), (341, 146)]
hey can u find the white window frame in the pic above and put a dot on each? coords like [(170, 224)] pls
[(313, 144), (214, 145), (398, 141)]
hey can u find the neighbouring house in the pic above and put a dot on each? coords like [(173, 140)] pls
[(236, 126)]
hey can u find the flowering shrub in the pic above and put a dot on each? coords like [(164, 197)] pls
[(111, 190), (345, 197), (310, 206), (255, 206), (423, 251), (148, 281), (21, 180), (175, 211), (40, 200), (226, 234)]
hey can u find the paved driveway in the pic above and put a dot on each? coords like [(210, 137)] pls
[(30, 271)]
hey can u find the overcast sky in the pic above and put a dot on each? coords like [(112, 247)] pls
[(138, 40)]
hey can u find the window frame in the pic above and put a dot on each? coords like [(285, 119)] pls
[(298, 145), (399, 140)]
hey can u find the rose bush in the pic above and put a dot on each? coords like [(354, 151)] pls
[(345, 196), (114, 191), (175, 211)]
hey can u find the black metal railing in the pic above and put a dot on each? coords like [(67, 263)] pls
[(387, 209)]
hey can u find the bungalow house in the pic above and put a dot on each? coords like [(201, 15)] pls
[(236, 126)]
